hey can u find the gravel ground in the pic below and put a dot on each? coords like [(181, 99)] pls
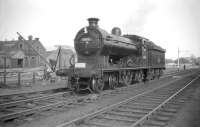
[(53, 117), (189, 116)]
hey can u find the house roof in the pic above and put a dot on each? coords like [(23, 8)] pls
[(7, 43), (7, 47), (32, 42)]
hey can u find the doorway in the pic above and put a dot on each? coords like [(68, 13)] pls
[(19, 62)]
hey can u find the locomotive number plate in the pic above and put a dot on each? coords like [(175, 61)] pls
[(80, 65)]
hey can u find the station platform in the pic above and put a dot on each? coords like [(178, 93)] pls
[(36, 87)]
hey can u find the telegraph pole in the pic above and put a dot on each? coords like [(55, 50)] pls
[(178, 63), (4, 77), (178, 58), (60, 57)]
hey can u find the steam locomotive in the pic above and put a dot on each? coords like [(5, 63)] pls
[(107, 60)]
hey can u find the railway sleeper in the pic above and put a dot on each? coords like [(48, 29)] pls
[(5, 111), (158, 117), (164, 114), (163, 94), (149, 101), (110, 122), (15, 115), (44, 102), (156, 98), (182, 101), (19, 108), (91, 124), (172, 106), (153, 99), (168, 111), (126, 115), (150, 125), (97, 124), (133, 114), (143, 104), (52, 100), (138, 107), (155, 123), (132, 109), (165, 91), (155, 94), (116, 118)]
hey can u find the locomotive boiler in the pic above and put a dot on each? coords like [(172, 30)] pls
[(109, 59)]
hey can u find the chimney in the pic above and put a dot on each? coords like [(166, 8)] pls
[(30, 37), (37, 39), (93, 22)]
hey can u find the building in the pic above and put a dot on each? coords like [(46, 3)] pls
[(21, 54)]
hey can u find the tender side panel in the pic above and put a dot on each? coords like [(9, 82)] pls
[(156, 59)]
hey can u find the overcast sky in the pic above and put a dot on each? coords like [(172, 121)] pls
[(168, 23)]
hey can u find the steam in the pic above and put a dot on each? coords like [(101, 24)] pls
[(136, 21)]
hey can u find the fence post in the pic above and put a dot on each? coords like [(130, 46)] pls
[(33, 77), (4, 76), (19, 79)]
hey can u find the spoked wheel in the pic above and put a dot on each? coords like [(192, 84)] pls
[(160, 73), (112, 82), (97, 85), (140, 76), (77, 88), (127, 79)]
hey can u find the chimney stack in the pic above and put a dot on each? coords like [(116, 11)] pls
[(30, 37), (37, 39), (93, 22)]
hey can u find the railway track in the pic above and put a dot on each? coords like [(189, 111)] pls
[(12, 110), (31, 95), (28, 95), (35, 105), (153, 108)]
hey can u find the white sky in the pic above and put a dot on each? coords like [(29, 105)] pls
[(168, 23)]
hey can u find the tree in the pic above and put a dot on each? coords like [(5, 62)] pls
[(169, 61), (193, 59), (198, 61), (182, 60)]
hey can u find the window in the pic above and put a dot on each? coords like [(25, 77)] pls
[(20, 45), (33, 57), (114, 59)]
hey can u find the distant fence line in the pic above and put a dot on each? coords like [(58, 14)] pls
[(19, 78)]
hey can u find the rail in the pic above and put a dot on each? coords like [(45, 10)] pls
[(31, 99), (161, 105)]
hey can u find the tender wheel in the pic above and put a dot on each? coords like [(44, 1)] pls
[(140, 77), (111, 82), (97, 85), (127, 79)]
